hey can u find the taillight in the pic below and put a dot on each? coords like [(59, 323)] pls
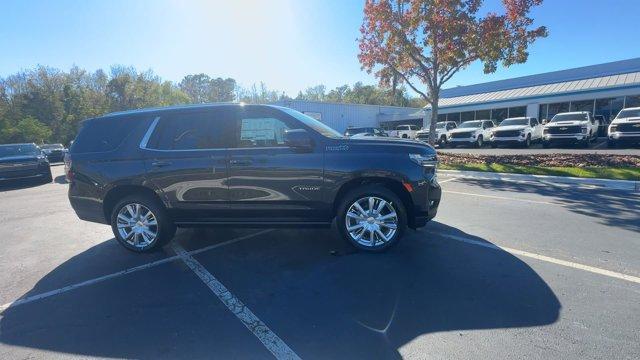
[(67, 167)]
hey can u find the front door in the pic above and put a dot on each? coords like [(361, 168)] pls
[(187, 162), (269, 181)]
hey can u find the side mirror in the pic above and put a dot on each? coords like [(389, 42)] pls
[(298, 139), (544, 121)]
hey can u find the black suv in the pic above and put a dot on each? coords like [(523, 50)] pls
[(145, 172)]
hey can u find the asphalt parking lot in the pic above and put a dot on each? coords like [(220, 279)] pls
[(506, 270)]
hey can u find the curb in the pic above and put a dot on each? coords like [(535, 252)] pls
[(627, 185)]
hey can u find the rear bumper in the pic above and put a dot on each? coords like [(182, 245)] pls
[(39, 172), (87, 206)]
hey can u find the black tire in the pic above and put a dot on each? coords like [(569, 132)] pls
[(527, 142), (546, 144), (378, 191), (165, 227), (586, 142), (612, 144), (479, 142), (404, 136), (494, 145), (443, 141)]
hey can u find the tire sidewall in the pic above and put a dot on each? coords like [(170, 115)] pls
[(377, 191), (166, 229)]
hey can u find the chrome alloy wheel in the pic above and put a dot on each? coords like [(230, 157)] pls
[(137, 225), (371, 221)]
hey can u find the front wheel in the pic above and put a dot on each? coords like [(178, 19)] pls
[(442, 142), (140, 223), (479, 142), (371, 218), (527, 142)]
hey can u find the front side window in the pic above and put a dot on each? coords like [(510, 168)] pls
[(534, 122), (261, 132)]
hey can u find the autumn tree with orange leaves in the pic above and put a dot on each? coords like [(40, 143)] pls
[(423, 43)]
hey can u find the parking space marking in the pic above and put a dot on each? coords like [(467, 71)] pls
[(592, 269), (122, 273), (444, 181), (499, 197), (269, 339)]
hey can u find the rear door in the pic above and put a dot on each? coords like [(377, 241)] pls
[(269, 181), (187, 161)]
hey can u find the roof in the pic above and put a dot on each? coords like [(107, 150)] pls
[(581, 73), (175, 107), (558, 88)]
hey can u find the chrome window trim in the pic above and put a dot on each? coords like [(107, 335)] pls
[(147, 135)]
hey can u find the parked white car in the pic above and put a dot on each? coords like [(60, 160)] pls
[(521, 131), (474, 133), (570, 127), (405, 131), (625, 127), (443, 129)]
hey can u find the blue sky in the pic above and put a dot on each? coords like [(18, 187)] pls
[(288, 44)]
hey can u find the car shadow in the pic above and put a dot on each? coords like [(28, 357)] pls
[(609, 207), (9, 185), (319, 295), (62, 179)]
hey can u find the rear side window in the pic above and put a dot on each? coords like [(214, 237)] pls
[(190, 131), (104, 134)]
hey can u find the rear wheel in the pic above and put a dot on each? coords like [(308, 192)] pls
[(140, 223), (372, 218)]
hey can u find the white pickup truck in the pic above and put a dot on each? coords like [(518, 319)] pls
[(405, 131), (625, 127), (521, 131), (570, 127), (442, 132)]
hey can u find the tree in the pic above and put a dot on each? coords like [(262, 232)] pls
[(26, 130), (428, 41)]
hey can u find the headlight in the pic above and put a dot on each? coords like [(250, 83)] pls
[(430, 161), (545, 131), (522, 132), (584, 130), (613, 128)]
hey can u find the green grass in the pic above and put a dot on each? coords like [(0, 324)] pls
[(583, 172)]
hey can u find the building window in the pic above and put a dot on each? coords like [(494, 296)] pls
[(585, 105), (453, 117), (483, 114), (442, 117), (542, 112), (499, 114), (556, 109), (616, 105), (632, 101), (519, 111), (467, 116)]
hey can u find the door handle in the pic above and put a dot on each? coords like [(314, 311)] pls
[(240, 162), (160, 163)]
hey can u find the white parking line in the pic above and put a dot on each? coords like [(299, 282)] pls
[(595, 270), (499, 197), (268, 338), (122, 273), (444, 181)]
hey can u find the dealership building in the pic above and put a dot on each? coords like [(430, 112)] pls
[(602, 89)]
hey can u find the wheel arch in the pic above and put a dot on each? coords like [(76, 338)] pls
[(392, 184), (116, 193)]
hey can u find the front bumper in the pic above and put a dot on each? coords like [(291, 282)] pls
[(565, 137), (508, 140), (467, 140), (426, 197), (624, 136)]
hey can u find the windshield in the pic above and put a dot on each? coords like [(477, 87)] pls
[(471, 124), (570, 117), (508, 122), (18, 150), (628, 113), (314, 124), (52, 146)]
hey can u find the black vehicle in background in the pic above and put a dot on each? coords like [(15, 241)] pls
[(145, 172), (23, 161), (54, 152), (365, 130)]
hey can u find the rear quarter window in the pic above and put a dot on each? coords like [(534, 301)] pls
[(104, 134)]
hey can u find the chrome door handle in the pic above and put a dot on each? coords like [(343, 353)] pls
[(161, 163)]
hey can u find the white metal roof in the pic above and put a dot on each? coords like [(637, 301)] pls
[(567, 87)]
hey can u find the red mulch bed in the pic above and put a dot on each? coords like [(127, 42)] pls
[(544, 160)]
